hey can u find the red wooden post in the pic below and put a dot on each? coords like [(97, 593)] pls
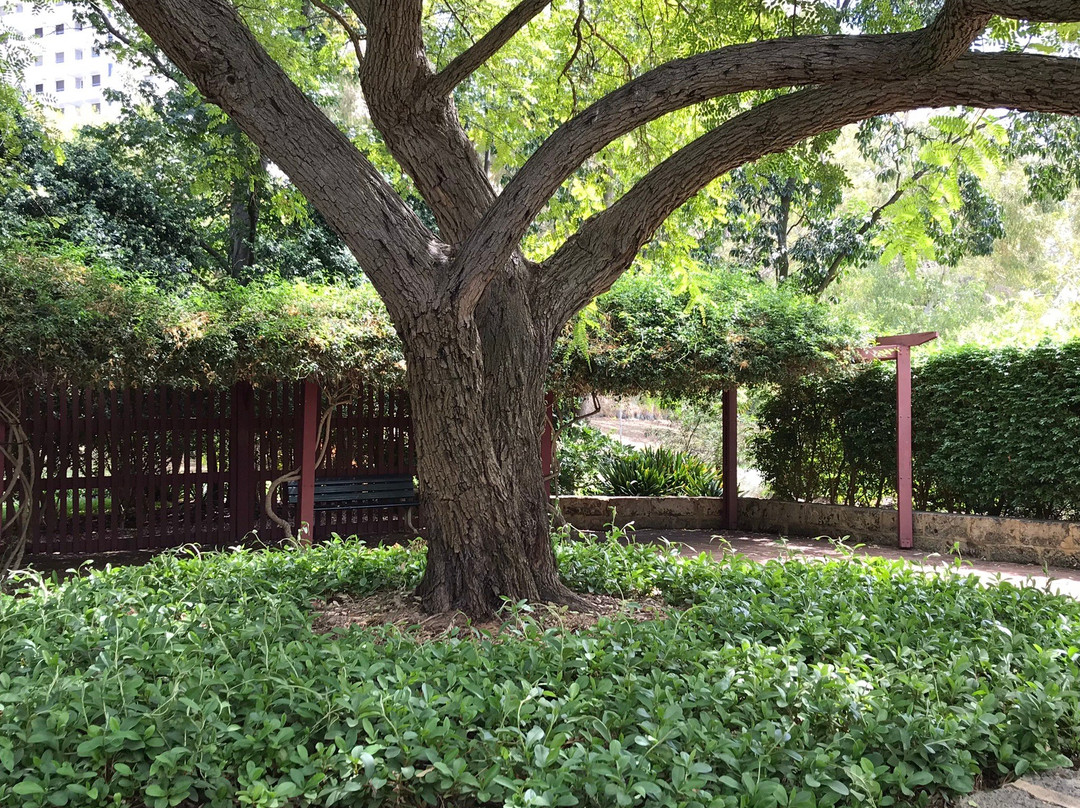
[(242, 461), (730, 465), (899, 347), (309, 438), (904, 492), (547, 441)]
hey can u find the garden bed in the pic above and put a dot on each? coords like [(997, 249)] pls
[(200, 682)]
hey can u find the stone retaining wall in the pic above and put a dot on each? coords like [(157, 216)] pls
[(1028, 541), (685, 513)]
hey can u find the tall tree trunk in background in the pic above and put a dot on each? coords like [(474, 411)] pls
[(243, 227), (783, 225), (245, 198)]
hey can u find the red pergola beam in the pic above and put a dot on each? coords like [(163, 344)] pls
[(910, 340)]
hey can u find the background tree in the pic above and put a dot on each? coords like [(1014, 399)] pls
[(477, 315)]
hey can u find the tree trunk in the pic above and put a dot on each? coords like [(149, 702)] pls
[(478, 414)]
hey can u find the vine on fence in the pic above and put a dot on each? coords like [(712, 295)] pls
[(17, 494)]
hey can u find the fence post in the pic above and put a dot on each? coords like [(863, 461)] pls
[(242, 461), (309, 438), (903, 448), (730, 449)]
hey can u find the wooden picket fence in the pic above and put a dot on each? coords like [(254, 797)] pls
[(145, 469)]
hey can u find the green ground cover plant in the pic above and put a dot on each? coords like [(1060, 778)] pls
[(198, 681)]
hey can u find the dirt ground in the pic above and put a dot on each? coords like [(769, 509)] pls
[(401, 610)]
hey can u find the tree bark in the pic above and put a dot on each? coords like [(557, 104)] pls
[(478, 415)]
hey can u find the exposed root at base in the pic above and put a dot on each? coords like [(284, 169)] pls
[(403, 611)]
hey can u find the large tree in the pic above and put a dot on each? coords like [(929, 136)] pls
[(478, 318)]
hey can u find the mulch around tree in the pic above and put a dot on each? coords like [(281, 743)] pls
[(401, 610)]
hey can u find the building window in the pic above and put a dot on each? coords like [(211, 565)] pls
[(78, 25), (78, 83), (95, 80), (78, 54), (96, 107), (39, 32), (39, 88), (18, 8), (95, 52), (59, 85), (60, 57), (39, 60), (60, 29)]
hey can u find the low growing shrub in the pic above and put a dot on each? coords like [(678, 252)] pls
[(198, 681), (659, 471), (581, 452)]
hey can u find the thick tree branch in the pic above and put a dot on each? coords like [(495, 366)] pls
[(422, 131), (464, 65), (767, 65), (771, 64), (210, 43), (605, 246)]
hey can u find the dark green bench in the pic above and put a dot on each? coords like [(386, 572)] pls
[(358, 493)]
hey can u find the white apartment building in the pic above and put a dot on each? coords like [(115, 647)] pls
[(68, 74)]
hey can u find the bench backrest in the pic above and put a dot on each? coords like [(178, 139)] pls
[(359, 489)]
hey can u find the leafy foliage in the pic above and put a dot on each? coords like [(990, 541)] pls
[(659, 471), (839, 683), (653, 334), (151, 194), (996, 431), (63, 321), (581, 452), (70, 318)]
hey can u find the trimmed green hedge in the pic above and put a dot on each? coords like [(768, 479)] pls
[(198, 681), (996, 431)]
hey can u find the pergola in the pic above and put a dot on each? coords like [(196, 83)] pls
[(896, 347)]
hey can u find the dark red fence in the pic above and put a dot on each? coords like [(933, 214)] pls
[(144, 469)]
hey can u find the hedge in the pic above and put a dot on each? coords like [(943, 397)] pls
[(62, 321), (651, 334), (996, 431)]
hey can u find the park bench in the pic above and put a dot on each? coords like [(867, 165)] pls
[(359, 493)]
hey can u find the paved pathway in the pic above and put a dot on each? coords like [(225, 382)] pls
[(1057, 789), (764, 546)]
